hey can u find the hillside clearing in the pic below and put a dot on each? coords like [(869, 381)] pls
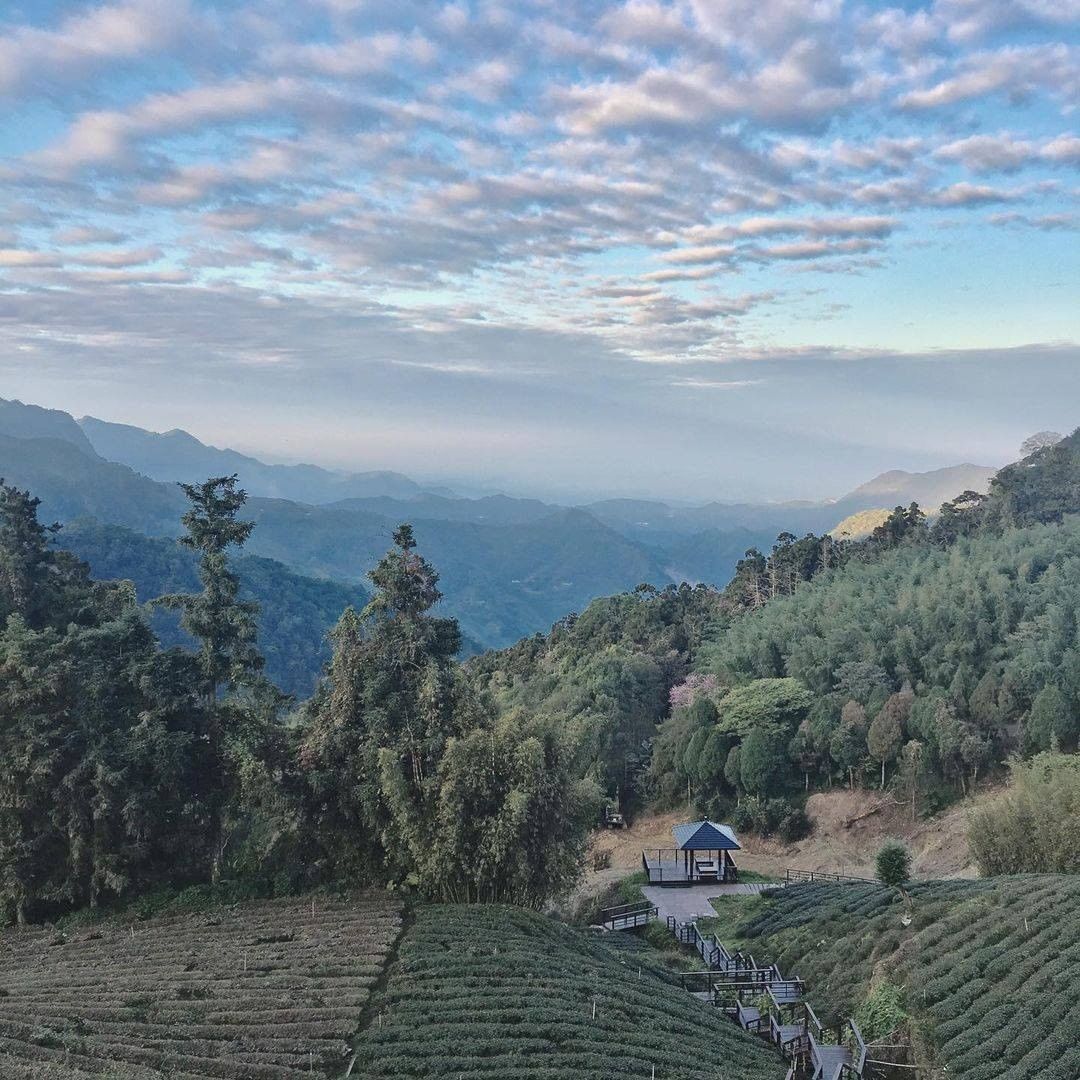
[(256, 991)]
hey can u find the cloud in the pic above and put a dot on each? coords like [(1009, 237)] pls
[(1018, 70), (451, 194), (96, 138), (96, 37), (1008, 153)]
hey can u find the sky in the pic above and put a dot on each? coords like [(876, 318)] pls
[(701, 249)]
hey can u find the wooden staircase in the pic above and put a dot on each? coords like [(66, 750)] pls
[(766, 1004)]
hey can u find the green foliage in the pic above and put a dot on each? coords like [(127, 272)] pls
[(882, 1012), (768, 817), (1031, 828), (222, 624), (507, 993), (402, 776), (605, 677), (295, 613), (892, 865), (1053, 722), (103, 752)]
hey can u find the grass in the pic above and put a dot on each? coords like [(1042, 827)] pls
[(753, 876)]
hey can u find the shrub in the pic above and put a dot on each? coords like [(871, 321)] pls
[(882, 1012), (893, 864)]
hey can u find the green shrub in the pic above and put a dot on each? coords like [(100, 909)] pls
[(882, 1012), (893, 864)]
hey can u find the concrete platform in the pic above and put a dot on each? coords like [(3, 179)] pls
[(692, 902)]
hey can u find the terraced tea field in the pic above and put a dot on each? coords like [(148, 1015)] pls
[(510, 995), (255, 991), (988, 969)]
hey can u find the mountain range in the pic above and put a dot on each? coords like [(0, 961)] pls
[(509, 566)]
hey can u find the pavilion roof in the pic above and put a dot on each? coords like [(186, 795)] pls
[(705, 836)]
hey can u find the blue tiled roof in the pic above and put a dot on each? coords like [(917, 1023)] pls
[(705, 836)]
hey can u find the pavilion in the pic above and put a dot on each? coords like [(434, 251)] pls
[(702, 853)]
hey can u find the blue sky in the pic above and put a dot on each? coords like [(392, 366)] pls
[(702, 248)]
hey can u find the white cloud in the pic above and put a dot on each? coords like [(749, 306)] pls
[(95, 37)]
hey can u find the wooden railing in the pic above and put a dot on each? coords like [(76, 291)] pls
[(859, 1052), (732, 978), (628, 916)]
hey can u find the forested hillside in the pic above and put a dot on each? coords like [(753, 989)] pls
[(918, 658), (921, 657), (605, 675), (296, 613)]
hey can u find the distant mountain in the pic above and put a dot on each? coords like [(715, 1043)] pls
[(658, 523), (860, 525), (74, 483), (928, 489), (178, 456), (21, 421), (502, 581), (509, 567)]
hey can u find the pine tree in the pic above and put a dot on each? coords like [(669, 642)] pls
[(225, 628)]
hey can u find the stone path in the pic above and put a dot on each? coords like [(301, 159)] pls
[(692, 902)]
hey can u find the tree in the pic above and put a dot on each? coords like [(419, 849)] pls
[(374, 733), (858, 679), (848, 743), (893, 864), (1031, 829), (886, 732), (101, 735), (223, 624), (779, 703), (910, 770), (511, 819), (1051, 718), (224, 627), (1039, 441), (762, 761)]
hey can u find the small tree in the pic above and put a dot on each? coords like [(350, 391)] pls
[(893, 864), (886, 733)]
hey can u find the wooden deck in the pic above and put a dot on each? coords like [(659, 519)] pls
[(662, 870)]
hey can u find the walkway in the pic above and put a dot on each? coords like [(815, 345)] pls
[(687, 903)]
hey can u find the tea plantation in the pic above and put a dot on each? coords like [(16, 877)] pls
[(504, 993), (255, 991), (987, 970)]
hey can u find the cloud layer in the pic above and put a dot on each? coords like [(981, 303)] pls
[(401, 208)]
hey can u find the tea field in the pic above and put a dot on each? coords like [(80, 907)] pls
[(987, 970), (255, 991), (504, 993)]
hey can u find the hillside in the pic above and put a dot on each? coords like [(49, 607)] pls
[(860, 525), (23, 421), (502, 581), (178, 456), (984, 970), (255, 991), (928, 489), (295, 612), (502, 992)]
